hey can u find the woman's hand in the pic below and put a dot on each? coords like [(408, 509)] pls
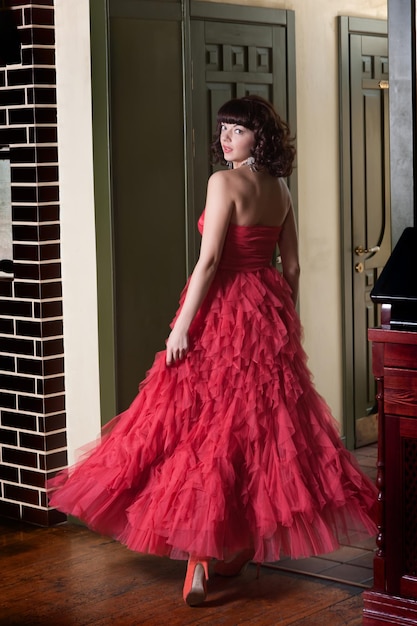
[(176, 346)]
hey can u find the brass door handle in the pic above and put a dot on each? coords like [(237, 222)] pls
[(359, 250)]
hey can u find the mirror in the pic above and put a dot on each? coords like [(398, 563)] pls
[(6, 237)]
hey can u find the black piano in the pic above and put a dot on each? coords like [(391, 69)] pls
[(396, 287)]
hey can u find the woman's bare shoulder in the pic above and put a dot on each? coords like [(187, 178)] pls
[(219, 176)]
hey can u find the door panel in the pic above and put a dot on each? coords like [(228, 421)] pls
[(370, 211), (148, 190), (231, 60), (366, 207)]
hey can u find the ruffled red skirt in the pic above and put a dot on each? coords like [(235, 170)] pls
[(230, 448)]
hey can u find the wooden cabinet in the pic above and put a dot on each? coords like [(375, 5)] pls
[(393, 598)]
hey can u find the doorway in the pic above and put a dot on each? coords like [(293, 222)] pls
[(365, 209), (150, 178)]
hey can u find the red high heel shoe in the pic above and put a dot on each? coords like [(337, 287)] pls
[(237, 564), (195, 588)]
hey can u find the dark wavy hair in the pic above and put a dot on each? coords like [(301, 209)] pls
[(273, 148)]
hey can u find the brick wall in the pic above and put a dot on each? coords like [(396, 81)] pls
[(32, 392)]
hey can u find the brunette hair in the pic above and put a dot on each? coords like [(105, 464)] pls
[(273, 148)]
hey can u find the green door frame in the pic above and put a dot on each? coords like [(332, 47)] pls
[(103, 205)]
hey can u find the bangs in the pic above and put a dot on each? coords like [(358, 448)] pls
[(237, 111)]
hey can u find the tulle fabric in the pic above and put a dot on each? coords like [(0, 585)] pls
[(232, 447)]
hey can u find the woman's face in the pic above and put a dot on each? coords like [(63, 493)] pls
[(237, 142)]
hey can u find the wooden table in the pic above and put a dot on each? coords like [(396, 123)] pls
[(393, 598)]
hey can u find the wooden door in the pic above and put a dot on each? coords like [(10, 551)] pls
[(236, 51), (366, 227), (148, 182)]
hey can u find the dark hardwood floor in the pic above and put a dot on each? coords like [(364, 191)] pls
[(67, 575)]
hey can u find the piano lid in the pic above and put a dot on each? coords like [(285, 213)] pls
[(397, 282), (396, 287)]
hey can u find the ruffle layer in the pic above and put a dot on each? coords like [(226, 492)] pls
[(230, 448)]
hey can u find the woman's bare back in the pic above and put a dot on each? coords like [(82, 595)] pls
[(258, 198)]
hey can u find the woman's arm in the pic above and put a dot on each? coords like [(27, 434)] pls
[(288, 248), (217, 215)]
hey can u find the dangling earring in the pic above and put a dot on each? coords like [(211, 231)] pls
[(250, 162), (230, 165)]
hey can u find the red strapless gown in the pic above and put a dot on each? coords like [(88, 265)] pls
[(231, 447)]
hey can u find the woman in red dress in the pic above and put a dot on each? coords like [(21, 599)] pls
[(228, 452)]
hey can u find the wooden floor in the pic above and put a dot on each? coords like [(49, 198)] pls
[(69, 576), (66, 576)]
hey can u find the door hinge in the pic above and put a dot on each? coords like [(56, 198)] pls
[(383, 84)]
